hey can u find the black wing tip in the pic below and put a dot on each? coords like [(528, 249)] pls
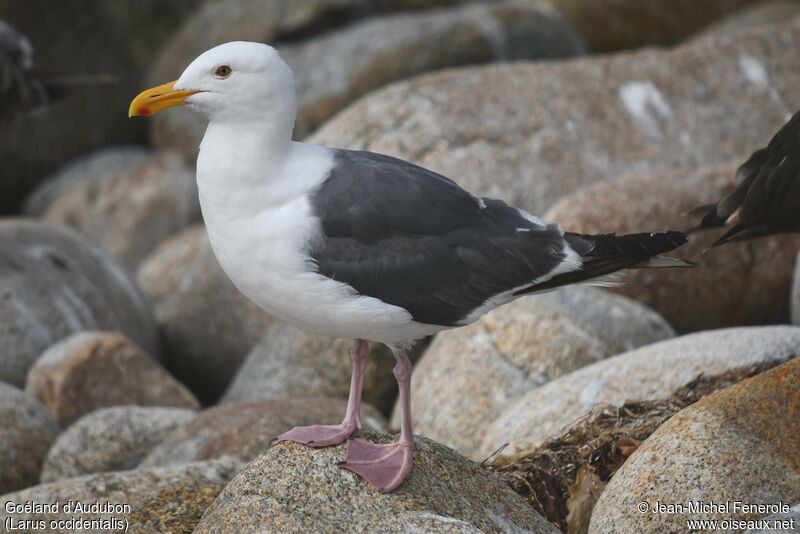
[(681, 238), (604, 254), (639, 245), (654, 242), (666, 240)]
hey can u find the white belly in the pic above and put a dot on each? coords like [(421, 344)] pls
[(265, 258)]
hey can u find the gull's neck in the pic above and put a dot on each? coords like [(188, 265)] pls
[(247, 167), (239, 161)]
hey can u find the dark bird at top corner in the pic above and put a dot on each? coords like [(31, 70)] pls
[(25, 86), (767, 199), (19, 89)]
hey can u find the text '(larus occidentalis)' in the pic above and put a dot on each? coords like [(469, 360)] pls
[(359, 245), (767, 199)]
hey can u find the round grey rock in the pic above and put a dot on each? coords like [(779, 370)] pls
[(531, 132), (291, 488), (469, 376), (621, 323), (53, 283), (110, 439), (335, 68), (26, 432), (267, 21), (128, 199), (647, 373)]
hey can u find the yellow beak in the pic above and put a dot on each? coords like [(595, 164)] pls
[(159, 98)]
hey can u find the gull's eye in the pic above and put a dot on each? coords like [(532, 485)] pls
[(223, 71)]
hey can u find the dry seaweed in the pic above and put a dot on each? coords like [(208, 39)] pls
[(563, 478)]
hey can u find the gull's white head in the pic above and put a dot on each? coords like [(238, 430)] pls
[(237, 81)]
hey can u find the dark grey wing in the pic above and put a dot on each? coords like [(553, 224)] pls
[(413, 238), (773, 198), (768, 195), (746, 174)]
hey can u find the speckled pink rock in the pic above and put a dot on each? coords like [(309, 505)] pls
[(739, 444), (94, 370), (295, 489)]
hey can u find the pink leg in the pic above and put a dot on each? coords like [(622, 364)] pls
[(385, 466), (325, 435)]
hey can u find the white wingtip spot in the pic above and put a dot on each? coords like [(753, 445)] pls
[(532, 218)]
